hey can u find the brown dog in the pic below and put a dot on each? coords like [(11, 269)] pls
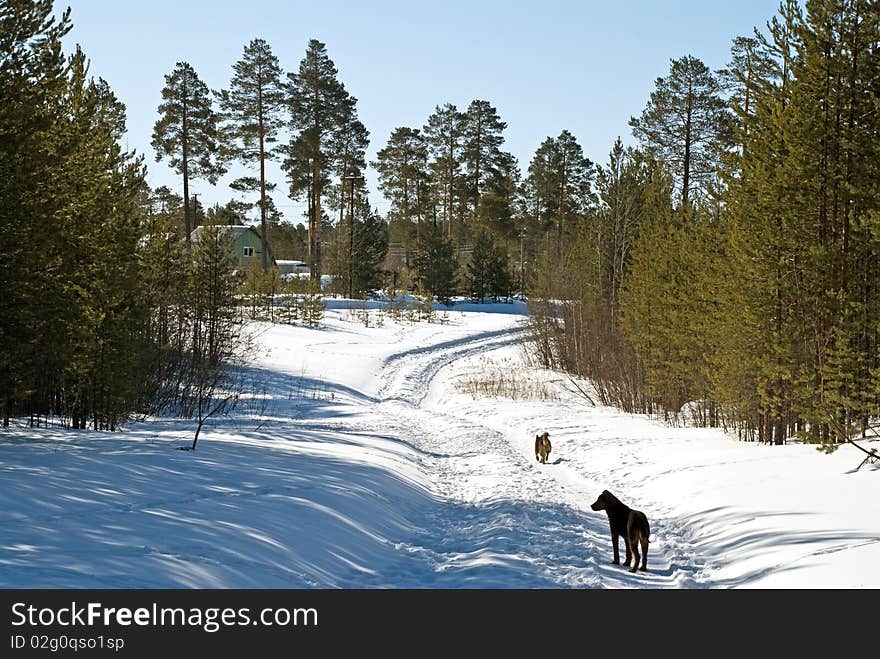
[(542, 447), (631, 524)]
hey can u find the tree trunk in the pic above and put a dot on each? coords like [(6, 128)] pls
[(263, 237), (187, 222), (316, 220), (477, 164), (351, 244), (198, 431), (418, 214), (560, 211), (686, 184)]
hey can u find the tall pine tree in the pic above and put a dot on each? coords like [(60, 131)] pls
[(326, 137), (252, 110), (186, 132), (443, 135), (560, 177), (683, 123), (402, 166), (481, 152)]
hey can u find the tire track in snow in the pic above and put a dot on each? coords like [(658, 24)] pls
[(408, 374), (522, 526)]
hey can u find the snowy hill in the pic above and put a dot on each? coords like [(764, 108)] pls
[(402, 455)]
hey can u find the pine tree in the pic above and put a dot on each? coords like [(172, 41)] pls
[(370, 248), (349, 147), (744, 80), (660, 306), (163, 275), (404, 179), (500, 281), (487, 273), (800, 196), (480, 267), (683, 122), (97, 185), (252, 112), (186, 132), (358, 257), (481, 154), (326, 137), (560, 177), (311, 305), (437, 266), (443, 135), (32, 82), (499, 211)]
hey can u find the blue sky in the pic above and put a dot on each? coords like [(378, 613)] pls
[(546, 65)]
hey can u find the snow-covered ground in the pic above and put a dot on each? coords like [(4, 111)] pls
[(402, 455)]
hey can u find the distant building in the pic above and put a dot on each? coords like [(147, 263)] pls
[(292, 267), (247, 241)]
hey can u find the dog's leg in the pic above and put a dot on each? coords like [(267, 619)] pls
[(645, 553), (635, 548), (629, 547), (614, 539)]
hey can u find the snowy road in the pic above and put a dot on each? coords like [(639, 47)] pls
[(527, 525), (372, 467)]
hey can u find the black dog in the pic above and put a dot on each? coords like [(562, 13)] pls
[(542, 447), (631, 524)]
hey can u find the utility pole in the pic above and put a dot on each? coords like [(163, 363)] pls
[(351, 235)]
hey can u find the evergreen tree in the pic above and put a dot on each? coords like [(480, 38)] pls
[(560, 177), (99, 325), (750, 70), (170, 205), (443, 136), (32, 83), (368, 246), (487, 272), (404, 179), (326, 136), (806, 186), (660, 306), (99, 185), (481, 153), (500, 283), (349, 146), (498, 211), (437, 266), (186, 132), (683, 123), (252, 112), (163, 274), (311, 305), (480, 267)]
